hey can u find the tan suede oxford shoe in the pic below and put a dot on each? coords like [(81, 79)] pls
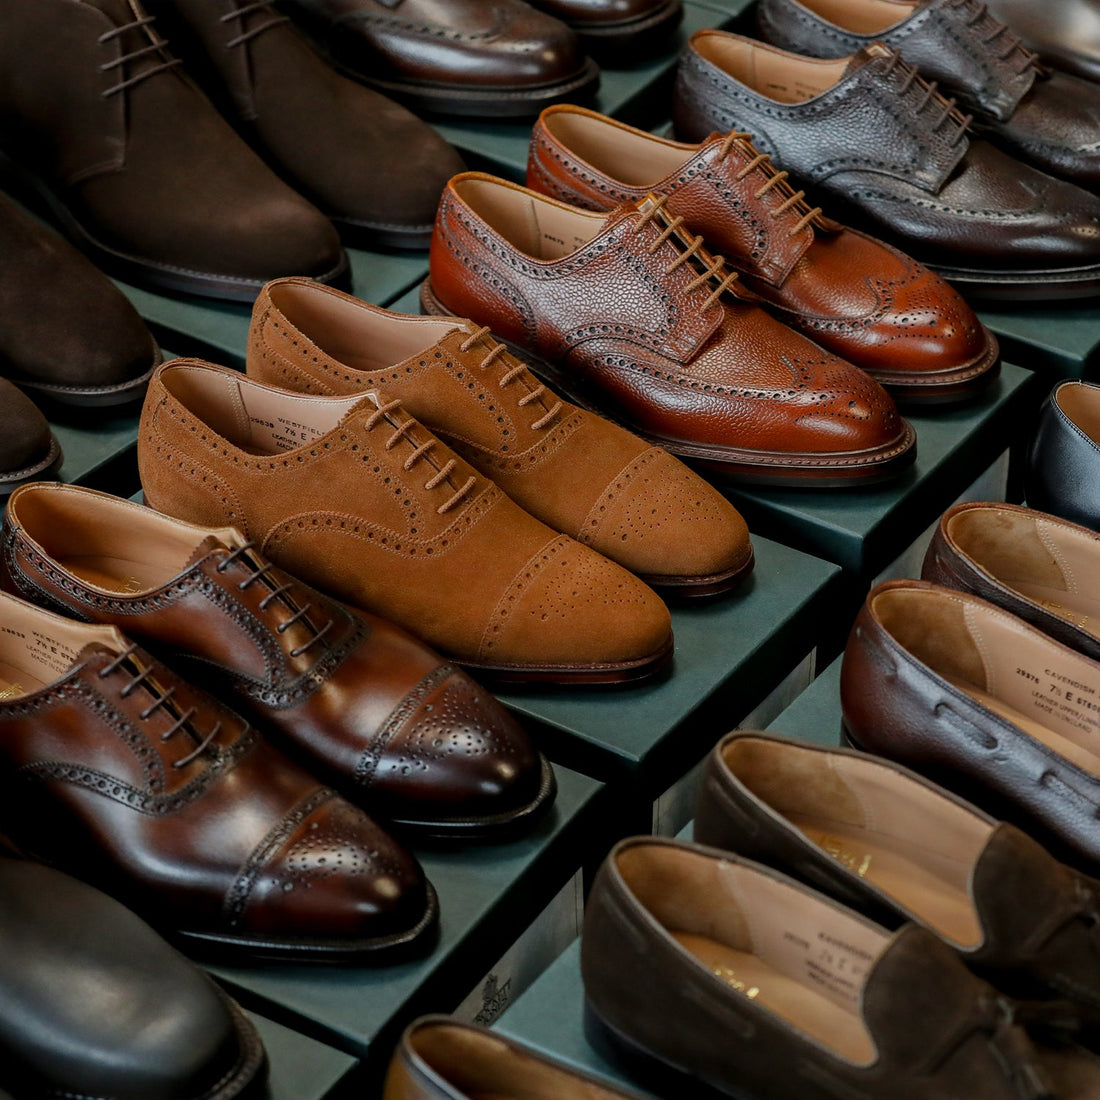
[(577, 472), (355, 496)]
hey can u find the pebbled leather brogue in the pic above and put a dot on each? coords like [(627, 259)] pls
[(1066, 34), (353, 698), (858, 298), (1063, 468), (628, 313)]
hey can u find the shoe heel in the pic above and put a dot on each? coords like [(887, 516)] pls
[(640, 1065)]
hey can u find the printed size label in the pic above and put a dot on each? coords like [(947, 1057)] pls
[(48, 651), (1071, 701), (288, 434)]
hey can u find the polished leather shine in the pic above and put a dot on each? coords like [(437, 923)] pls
[(957, 688), (106, 1008), (575, 471), (1036, 566), (858, 298), (897, 848), (454, 56), (28, 448), (1044, 117), (619, 30), (115, 768), (610, 307), (894, 156), (439, 1058), (1063, 470), (1066, 34), (352, 697), (135, 163), (355, 496)]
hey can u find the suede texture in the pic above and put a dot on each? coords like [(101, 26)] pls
[(26, 439), (459, 563), (577, 472)]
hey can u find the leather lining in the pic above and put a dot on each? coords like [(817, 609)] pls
[(862, 16), (773, 73)]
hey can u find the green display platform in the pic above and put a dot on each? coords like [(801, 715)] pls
[(102, 456), (866, 530), (488, 895), (300, 1068), (815, 714), (1061, 341)]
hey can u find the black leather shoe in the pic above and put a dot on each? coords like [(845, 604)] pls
[(94, 1004), (897, 159), (1063, 470), (619, 32), (1046, 118), (28, 450)]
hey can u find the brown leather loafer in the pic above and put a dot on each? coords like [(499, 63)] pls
[(464, 57), (355, 496), (1036, 566), (858, 298), (1063, 469), (896, 158), (575, 471), (619, 32), (441, 1059), (713, 976), (132, 160), (628, 312), (116, 769), (897, 848), (982, 703), (353, 698), (28, 449)]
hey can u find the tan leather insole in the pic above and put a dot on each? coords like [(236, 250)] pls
[(16, 680), (861, 16), (798, 1003), (1081, 404), (783, 77), (1077, 607), (127, 575)]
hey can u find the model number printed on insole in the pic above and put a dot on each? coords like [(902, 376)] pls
[(1072, 701)]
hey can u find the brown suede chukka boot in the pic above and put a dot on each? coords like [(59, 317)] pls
[(574, 470), (99, 120), (355, 496)]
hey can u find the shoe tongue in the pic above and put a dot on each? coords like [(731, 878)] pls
[(865, 55)]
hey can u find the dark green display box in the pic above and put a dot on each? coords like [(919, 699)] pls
[(815, 714), (866, 530), (1061, 341), (488, 896), (300, 1068)]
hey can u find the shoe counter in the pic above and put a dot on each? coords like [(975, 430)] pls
[(632, 757)]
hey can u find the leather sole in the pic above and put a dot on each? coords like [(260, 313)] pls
[(1057, 285), (944, 387), (91, 397), (146, 273), (632, 41), (703, 587), (10, 480), (776, 468), (370, 235)]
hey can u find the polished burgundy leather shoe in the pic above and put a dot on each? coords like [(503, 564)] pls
[(352, 697), (459, 57), (858, 298), (114, 768), (628, 312), (619, 32)]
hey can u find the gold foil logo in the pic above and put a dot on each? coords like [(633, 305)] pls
[(10, 691), (731, 979), (861, 864)]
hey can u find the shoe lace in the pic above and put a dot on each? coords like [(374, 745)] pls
[(156, 45), (930, 97), (245, 8), (246, 554), (142, 675), (795, 200), (401, 431), (535, 389), (1009, 42), (713, 267)]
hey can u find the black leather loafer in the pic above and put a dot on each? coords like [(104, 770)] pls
[(1063, 471)]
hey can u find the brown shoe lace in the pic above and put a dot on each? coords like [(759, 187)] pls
[(1010, 41), (248, 556), (419, 451), (795, 200), (714, 267), (245, 8), (142, 675), (156, 45), (535, 389), (912, 79)]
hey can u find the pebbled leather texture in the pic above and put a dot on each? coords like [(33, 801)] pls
[(1064, 458), (106, 1007), (892, 156), (230, 844), (354, 698), (708, 375), (379, 513), (860, 299), (1046, 118)]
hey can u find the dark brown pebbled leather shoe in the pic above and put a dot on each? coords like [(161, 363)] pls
[(1038, 567), (983, 704), (711, 976), (1063, 469), (575, 471), (353, 698), (619, 32), (439, 1058), (897, 848), (28, 448), (1066, 34), (898, 159), (458, 57), (114, 768), (858, 298), (1046, 118), (99, 121), (629, 314)]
